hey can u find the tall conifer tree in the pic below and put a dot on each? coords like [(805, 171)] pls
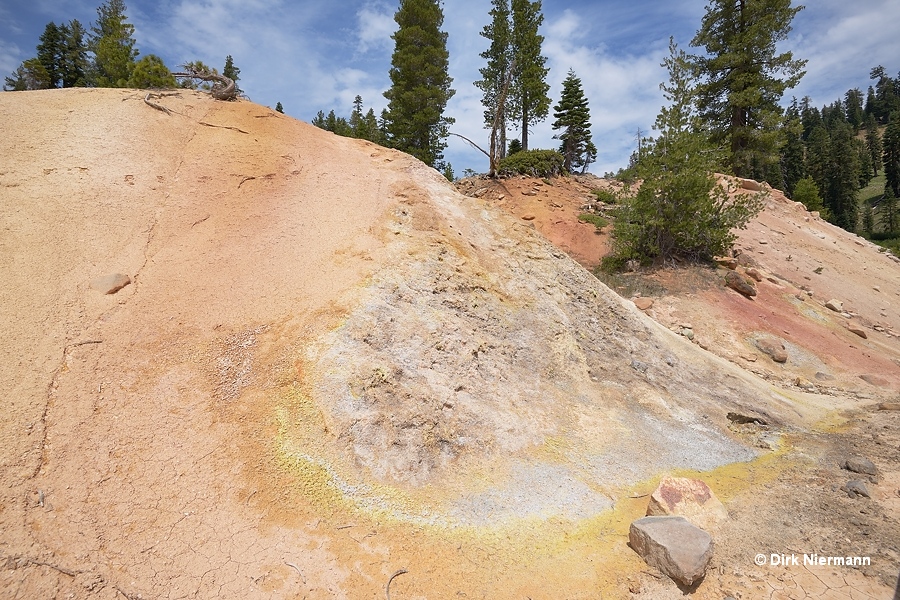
[(529, 100), (112, 43), (573, 117), (873, 142), (420, 83), (891, 153), (496, 75), (743, 78)]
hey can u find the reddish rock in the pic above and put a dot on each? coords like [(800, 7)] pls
[(740, 284), (773, 348), (727, 262), (528, 217), (754, 274), (854, 328), (688, 498), (643, 303)]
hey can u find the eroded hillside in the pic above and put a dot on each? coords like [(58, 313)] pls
[(329, 366)]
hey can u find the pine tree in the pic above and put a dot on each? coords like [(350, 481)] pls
[(357, 122), (891, 153), (743, 79), (420, 83), (679, 210), (864, 161), (31, 75), (792, 152), (151, 73), (853, 108), (232, 72), (807, 192), (514, 146), (818, 156), (573, 117), (873, 142), (51, 52), (75, 63), (279, 108), (843, 179), (529, 102), (890, 215), (113, 46), (496, 76)]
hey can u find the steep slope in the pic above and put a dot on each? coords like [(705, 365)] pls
[(328, 365)]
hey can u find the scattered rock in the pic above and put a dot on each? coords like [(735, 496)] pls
[(688, 498), (740, 284), (763, 242), (528, 217), (889, 406), (110, 284), (855, 488), (804, 384), (754, 274), (727, 262), (854, 328), (643, 303), (773, 348), (751, 185), (480, 192), (835, 305), (859, 464), (820, 376), (673, 545), (874, 380), (688, 333), (744, 419)]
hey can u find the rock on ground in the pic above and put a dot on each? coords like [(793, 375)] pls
[(773, 348), (674, 546), (859, 464), (740, 284), (689, 498)]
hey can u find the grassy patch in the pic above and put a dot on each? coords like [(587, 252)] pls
[(872, 191), (595, 220)]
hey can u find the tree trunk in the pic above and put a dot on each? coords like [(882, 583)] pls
[(524, 126)]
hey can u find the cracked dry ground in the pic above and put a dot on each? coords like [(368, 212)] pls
[(167, 441)]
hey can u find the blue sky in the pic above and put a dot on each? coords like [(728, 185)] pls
[(318, 54)]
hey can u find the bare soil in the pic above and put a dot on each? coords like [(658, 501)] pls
[(330, 367)]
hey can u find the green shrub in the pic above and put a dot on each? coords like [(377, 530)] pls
[(595, 220), (535, 163), (605, 196)]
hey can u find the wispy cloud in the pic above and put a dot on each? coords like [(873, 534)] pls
[(375, 24)]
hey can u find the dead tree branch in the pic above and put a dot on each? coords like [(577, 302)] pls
[(223, 87)]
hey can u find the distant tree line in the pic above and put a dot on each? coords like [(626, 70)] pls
[(514, 87), (829, 154), (68, 55)]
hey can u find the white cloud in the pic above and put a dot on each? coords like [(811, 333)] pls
[(842, 42), (10, 58), (375, 25)]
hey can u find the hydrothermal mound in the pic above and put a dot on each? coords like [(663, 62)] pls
[(328, 366)]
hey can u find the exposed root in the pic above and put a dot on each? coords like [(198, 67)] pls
[(387, 588)]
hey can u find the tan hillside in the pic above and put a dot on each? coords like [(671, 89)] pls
[(330, 366)]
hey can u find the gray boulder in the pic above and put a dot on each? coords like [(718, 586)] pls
[(674, 546)]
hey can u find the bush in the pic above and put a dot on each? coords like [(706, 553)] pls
[(535, 163), (595, 220), (605, 196)]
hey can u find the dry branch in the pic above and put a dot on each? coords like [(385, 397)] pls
[(223, 88)]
